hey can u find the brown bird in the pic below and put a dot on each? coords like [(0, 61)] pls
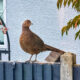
[(33, 44)]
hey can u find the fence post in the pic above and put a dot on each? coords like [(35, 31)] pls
[(66, 69)]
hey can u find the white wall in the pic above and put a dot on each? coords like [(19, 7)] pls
[(45, 17)]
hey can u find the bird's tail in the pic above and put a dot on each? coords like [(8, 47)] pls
[(47, 47)]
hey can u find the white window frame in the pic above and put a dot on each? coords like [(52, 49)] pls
[(4, 18)]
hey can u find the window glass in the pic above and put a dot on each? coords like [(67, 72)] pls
[(1, 7), (1, 25)]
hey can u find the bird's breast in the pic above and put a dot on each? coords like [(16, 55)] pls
[(24, 41), (31, 43)]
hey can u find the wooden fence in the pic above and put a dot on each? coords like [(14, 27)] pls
[(41, 71)]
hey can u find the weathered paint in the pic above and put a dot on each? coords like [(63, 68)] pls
[(66, 67), (18, 71), (1, 71), (8, 71), (76, 72), (33, 71)]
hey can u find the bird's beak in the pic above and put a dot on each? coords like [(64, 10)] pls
[(31, 23)]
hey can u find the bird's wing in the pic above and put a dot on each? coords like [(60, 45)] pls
[(37, 40)]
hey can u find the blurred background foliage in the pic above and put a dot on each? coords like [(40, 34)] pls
[(75, 22)]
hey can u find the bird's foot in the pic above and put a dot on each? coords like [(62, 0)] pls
[(28, 61), (35, 61)]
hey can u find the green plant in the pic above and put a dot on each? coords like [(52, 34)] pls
[(75, 22)]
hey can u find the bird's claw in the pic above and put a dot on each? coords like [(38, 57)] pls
[(28, 61), (35, 61)]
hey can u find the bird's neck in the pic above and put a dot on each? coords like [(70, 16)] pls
[(25, 29)]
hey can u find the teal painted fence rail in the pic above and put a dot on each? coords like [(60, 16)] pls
[(33, 71)]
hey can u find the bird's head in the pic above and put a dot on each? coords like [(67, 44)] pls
[(27, 23)]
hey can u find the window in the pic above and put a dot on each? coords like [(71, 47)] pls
[(3, 37), (1, 33), (1, 7)]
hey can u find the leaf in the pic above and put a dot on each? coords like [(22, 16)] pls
[(77, 35), (69, 2), (66, 32), (76, 23), (72, 23), (65, 2), (58, 4), (75, 4), (63, 30), (61, 2)]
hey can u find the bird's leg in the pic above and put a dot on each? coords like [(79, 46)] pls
[(29, 59), (35, 58)]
